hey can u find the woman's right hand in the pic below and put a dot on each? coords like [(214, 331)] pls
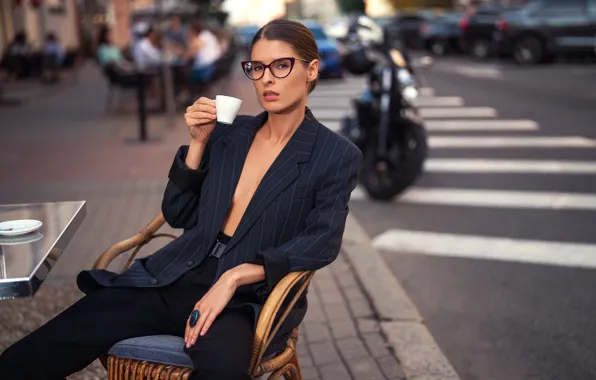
[(201, 118)]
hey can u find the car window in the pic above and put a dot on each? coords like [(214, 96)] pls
[(563, 5), (318, 33), (592, 7)]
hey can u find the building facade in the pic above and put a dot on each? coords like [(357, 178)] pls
[(57, 16)]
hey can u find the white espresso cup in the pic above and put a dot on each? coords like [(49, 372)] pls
[(226, 108)]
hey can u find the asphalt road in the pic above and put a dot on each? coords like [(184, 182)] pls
[(501, 264)]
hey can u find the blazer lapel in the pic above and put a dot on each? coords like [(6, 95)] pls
[(227, 160), (282, 173)]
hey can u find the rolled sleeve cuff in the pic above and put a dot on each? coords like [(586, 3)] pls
[(276, 265), (183, 176)]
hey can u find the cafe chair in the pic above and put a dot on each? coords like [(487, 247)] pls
[(162, 356)]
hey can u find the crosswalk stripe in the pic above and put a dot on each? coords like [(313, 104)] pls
[(458, 125), (352, 91), (510, 142), (499, 198), (450, 112), (509, 166), (439, 101), (454, 112), (481, 125), (345, 103), (488, 248)]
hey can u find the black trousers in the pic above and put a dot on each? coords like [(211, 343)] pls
[(76, 337)]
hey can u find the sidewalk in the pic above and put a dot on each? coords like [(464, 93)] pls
[(66, 148)]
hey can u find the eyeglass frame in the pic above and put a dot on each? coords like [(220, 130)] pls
[(291, 59)]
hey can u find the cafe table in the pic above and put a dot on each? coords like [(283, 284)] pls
[(26, 260)]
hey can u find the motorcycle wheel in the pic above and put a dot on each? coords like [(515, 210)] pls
[(383, 179)]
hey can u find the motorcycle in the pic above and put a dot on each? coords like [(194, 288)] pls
[(386, 125)]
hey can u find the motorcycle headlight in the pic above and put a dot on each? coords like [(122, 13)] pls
[(404, 77), (409, 93)]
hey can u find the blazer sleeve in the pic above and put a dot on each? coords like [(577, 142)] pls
[(180, 204), (320, 241)]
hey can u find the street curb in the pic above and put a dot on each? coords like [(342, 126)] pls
[(412, 343)]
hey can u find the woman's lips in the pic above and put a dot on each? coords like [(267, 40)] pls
[(270, 96)]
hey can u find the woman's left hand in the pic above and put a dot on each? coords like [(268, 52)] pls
[(209, 307)]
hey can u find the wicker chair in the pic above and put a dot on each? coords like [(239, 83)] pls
[(283, 363)]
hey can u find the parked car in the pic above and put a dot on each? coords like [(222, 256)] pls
[(542, 29), (442, 35), (245, 35), (478, 29), (329, 50), (407, 26)]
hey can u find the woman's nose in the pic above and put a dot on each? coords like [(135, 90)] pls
[(267, 76)]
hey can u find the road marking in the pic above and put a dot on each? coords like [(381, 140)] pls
[(509, 166), (352, 91), (439, 101), (510, 142), (457, 112), (454, 112), (491, 198), (343, 103), (481, 125), (484, 71), (500, 198), (489, 248), (459, 125)]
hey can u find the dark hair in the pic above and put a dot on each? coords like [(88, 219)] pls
[(20, 37), (293, 33), (104, 35), (51, 37), (196, 27)]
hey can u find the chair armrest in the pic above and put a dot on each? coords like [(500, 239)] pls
[(265, 330), (138, 240)]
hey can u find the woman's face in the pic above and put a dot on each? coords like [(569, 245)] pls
[(280, 94)]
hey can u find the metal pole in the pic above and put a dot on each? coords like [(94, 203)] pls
[(141, 106), (168, 83)]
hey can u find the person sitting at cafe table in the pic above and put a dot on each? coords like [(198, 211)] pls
[(147, 52)]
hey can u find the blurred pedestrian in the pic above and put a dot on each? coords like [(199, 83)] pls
[(205, 49), (53, 57), (176, 34), (110, 54), (147, 52)]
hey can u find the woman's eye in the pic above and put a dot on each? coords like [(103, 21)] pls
[(257, 68), (282, 65)]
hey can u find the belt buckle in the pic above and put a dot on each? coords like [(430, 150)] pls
[(218, 250)]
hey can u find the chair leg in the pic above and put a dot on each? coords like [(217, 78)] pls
[(109, 99), (297, 374)]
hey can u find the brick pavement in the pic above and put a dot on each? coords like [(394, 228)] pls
[(123, 184)]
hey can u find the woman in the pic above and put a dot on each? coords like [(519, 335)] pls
[(205, 50), (257, 200), (108, 53)]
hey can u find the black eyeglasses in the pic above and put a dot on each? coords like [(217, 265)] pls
[(280, 68)]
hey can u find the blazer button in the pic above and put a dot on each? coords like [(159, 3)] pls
[(190, 263), (153, 281)]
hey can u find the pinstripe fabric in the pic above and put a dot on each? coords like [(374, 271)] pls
[(295, 220)]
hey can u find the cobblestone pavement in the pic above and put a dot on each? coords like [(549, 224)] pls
[(86, 159)]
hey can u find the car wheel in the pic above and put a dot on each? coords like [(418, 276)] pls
[(528, 50), (438, 47), (479, 49)]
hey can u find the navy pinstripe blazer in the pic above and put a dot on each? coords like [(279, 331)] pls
[(295, 220)]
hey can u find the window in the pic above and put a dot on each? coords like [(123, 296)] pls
[(318, 33)]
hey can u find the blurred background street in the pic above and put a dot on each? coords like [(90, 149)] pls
[(495, 242)]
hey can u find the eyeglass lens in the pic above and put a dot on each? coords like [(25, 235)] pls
[(280, 68)]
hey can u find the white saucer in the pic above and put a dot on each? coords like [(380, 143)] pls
[(19, 227), (21, 239)]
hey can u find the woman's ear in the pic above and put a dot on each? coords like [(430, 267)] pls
[(313, 70)]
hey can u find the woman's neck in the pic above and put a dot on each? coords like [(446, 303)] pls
[(280, 127)]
